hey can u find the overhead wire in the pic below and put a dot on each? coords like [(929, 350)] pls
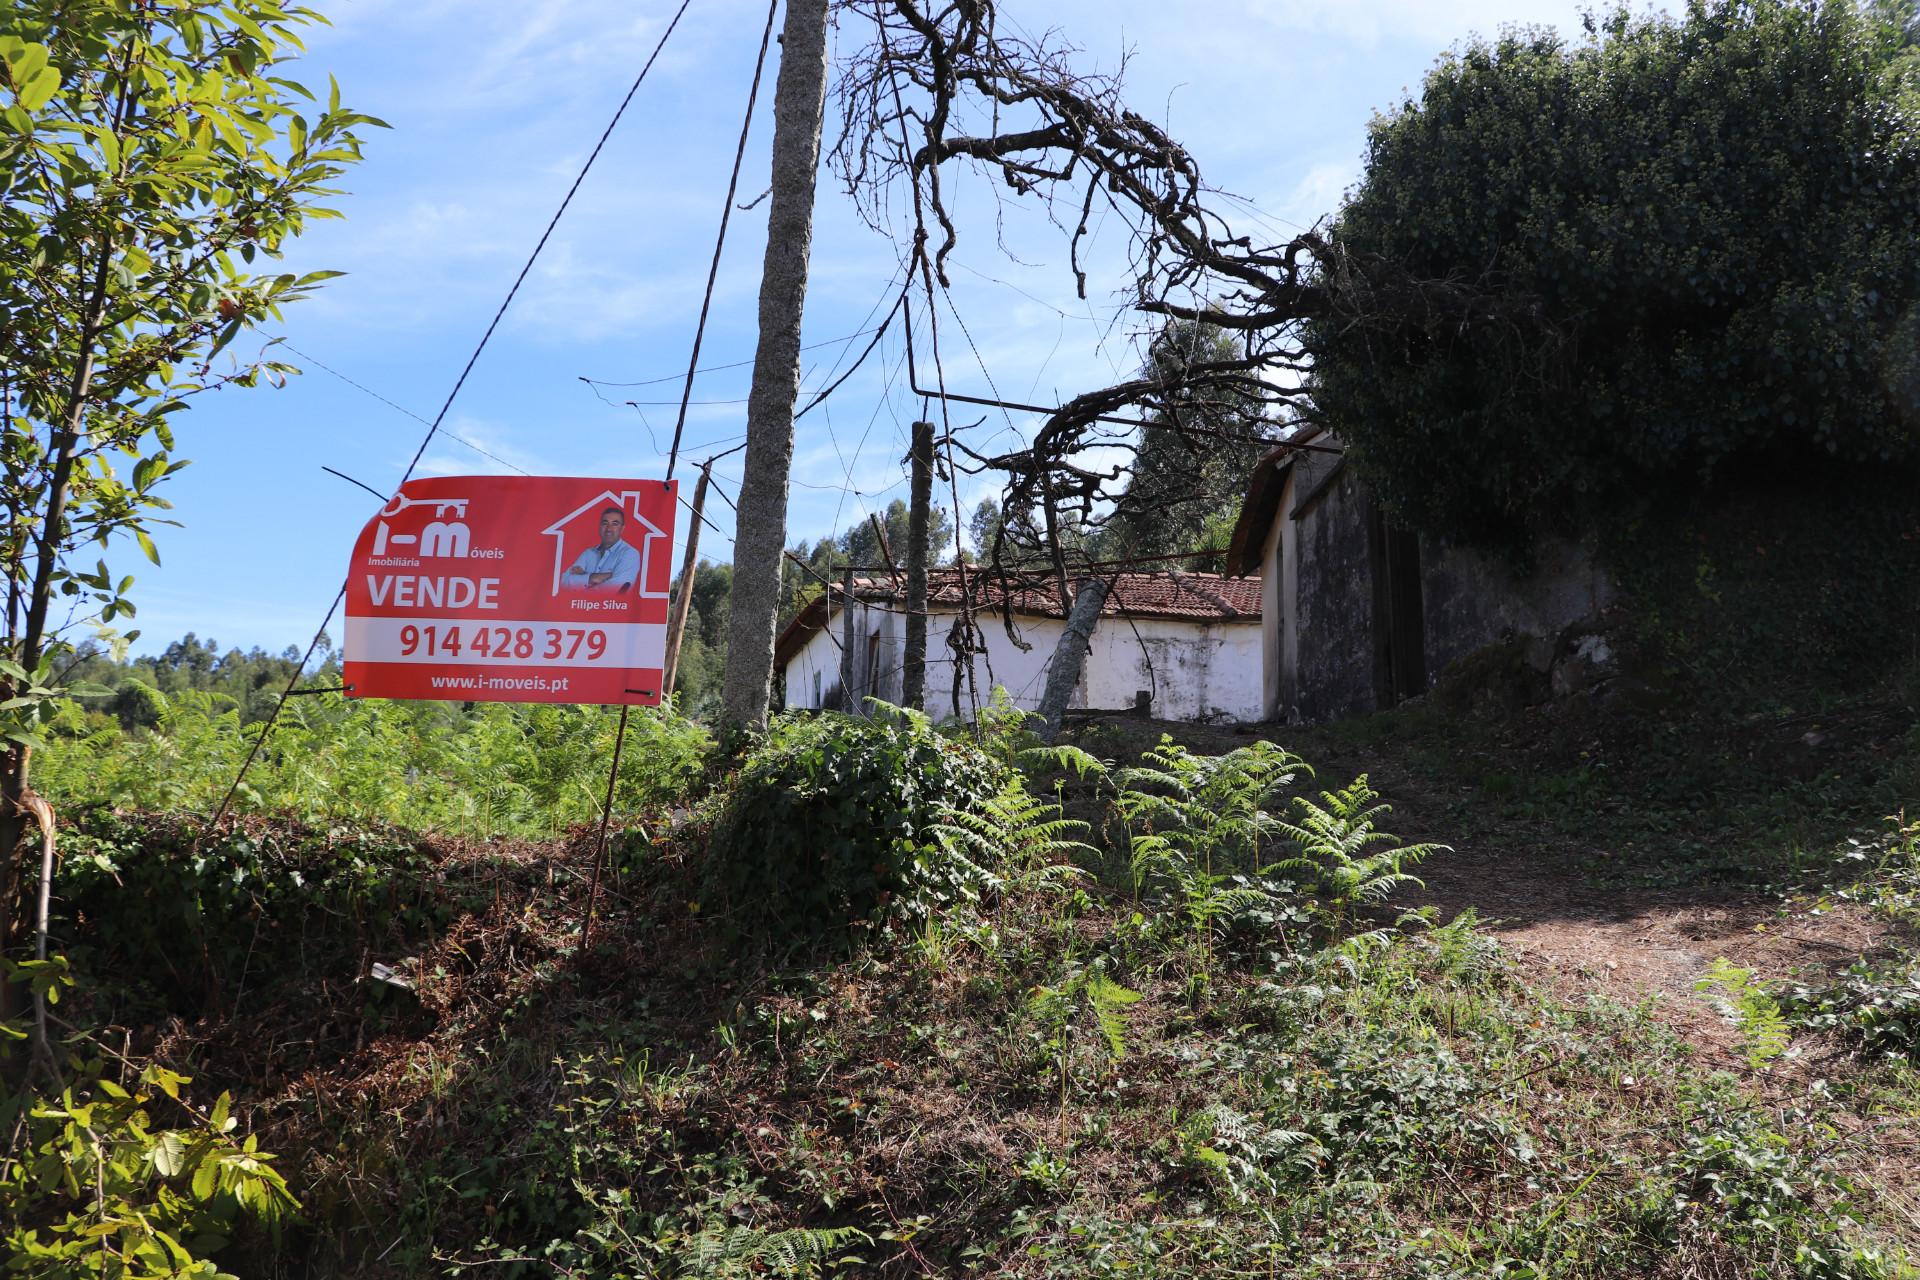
[(719, 368), (847, 464), (399, 408), (854, 368), (720, 240), (967, 628)]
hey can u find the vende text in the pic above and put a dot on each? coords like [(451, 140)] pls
[(407, 592)]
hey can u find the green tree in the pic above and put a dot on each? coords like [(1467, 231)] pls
[(1896, 24), (1686, 248), (250, 679), (703, 650), (829, 557), (1183, 483), (151, 156), (1025, 545), (859, 544)]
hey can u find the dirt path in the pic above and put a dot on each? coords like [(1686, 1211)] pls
[(1634, 944), (1540, 896)]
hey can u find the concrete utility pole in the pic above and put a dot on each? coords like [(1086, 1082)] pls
[(919, 509), (761, 533)]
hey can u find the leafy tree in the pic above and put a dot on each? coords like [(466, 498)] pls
[(1687, 247), (703, 650), (151, 156), (861, 546), (250, 680), (1182, 484), (1025, 545), (1896, 24)]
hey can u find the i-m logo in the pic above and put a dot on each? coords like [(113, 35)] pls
[(441, 538)]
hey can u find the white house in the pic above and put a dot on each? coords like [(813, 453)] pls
[(1189, 641)]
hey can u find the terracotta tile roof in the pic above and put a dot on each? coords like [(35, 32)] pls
[(1176, 596), (1204, 597)]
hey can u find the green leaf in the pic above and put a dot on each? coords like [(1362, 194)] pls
[(36, 91), (168, 1082), (206, 1179), (169, 1155), (146, 545), (24, 61)]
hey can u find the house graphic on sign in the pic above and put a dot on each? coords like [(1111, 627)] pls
[(582, 528)]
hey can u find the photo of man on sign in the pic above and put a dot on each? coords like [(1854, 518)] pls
[(609, 565)]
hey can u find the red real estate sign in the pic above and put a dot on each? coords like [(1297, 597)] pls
[(513, 589)]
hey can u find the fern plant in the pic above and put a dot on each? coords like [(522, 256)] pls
[(1339, 850), (721, 1252), (1235, 1151), (1014, 830), (1192, 827), (1750, 1007), (1059, 1009)]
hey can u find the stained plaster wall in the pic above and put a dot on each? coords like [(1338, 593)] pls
[(1195, 671), (874, 669), (1334, 600)]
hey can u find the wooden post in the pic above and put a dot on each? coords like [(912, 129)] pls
[(1053, 546), (919, 504), (847, 701), (886, 551), (677, 620)]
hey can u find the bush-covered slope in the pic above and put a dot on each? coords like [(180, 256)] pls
[(1192, 1036)]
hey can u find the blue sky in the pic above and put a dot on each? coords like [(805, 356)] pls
[(494, 105)]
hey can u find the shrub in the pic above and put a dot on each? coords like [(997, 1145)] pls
[(99, 1188), (1878, 1010), (185, 914), (831, 823), (491, 770), (1683, 247)]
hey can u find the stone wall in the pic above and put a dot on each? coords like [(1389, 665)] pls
[(1469, 600), (1473, 600)]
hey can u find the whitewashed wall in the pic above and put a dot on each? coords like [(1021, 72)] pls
[(1196, 671)]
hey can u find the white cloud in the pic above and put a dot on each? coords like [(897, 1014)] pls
[(1317, 193), (470, 446), (1369, 25)]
